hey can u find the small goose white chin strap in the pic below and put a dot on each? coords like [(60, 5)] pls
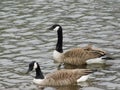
[(56, 28), (35, 66)]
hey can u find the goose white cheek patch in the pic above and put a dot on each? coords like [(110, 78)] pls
[(35, 66), (56, 28)]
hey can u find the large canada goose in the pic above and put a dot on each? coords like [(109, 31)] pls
[(75, 56), (60, 77)]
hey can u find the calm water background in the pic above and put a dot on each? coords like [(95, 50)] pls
[(24, 37)]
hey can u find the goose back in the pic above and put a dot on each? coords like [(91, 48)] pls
[(64, 77), (79, 56)]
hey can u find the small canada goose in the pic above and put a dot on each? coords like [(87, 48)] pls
[(75, 56), (60, 77)]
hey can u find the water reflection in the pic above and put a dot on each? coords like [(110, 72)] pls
[(60, 88)]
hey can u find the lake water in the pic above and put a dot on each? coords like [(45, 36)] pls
[(24, 37)]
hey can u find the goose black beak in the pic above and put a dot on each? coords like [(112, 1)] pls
[(50, 28), (29, 70)]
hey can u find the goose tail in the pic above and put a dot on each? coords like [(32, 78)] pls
[(83, 78), (107, 57), (86, 76)]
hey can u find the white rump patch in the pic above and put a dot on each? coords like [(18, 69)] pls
[(57, 56), (83, 78), (95, 60), (56, 28), (35, 66), (38, 81)]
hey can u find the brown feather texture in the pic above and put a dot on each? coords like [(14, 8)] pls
[(79, 56), (59, 77), (64, 77), (75, 56)]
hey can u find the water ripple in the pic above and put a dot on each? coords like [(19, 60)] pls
[(24, 37)]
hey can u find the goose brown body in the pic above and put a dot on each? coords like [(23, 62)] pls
[(64, 77), (59, 77), (76, 56), (79, 56)]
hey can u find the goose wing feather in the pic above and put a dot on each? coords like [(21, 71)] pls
[(80, 55), (65, 77)]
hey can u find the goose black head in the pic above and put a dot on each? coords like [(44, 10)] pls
[(55, 27), (32, 66), (58, 28)]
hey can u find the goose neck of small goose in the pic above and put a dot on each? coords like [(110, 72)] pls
[(39, 74), (59, 41)]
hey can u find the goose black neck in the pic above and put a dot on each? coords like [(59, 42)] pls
[(59, 41), (39, 74)]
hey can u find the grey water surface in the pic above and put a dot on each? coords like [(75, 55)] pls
[(24, 38)]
